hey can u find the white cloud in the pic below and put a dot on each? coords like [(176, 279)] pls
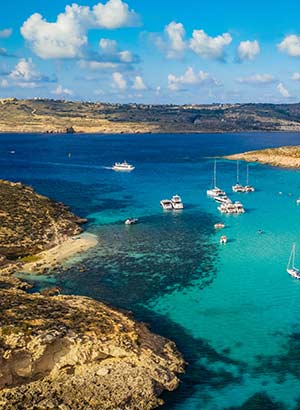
[(295, 77), (5, 33), (24, 84), (25, 70), (290, 45), (3, 83), (115, 14), (248, 50), (189, 78), (61, 91), (209, 47), (110, 50), (67, 36), (139, 83), (175, 33), (119, 81), (97, 65), (257, 79), (283, 90)]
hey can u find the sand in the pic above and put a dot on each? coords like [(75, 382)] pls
[(57, 255)]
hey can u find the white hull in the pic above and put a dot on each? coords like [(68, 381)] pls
[(295, 273), (123, 169)]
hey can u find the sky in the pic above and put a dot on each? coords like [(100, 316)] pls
[(153, 52)]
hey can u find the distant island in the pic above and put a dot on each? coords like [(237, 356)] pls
[(68, 352), (285, 157), (60, 116)]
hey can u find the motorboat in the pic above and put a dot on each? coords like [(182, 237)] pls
[(166, 204), (176, 202), (232, 208), (291, 269), (131, 221), (223, 199), (123, 166), (219, 226)]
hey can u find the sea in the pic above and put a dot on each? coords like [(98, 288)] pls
[(232, 309)]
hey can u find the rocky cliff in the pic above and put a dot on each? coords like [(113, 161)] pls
[(73, 353)]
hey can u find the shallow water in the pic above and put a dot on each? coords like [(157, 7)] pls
[(232, 310)]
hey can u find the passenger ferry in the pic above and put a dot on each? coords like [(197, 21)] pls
[(123, 166)]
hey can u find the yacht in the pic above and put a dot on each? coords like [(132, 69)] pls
[(223, 199), (123, 166), (291, 269), (238, 187), (166, 204), (177, 202), (231, 208), (215, 191), (247, 187)]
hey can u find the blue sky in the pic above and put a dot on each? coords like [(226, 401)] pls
[(151, 51)]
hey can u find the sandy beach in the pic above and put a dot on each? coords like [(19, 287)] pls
[(60, 253)]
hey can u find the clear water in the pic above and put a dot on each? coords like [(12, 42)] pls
[(232, 310)]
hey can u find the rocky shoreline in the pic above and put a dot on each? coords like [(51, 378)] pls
[(284, 157), (68, 352)]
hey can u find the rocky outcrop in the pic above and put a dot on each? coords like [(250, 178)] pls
[(31, 223), (67, 352), (285, 157)]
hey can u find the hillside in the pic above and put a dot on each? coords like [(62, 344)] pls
[(31, 223), (55, 116)]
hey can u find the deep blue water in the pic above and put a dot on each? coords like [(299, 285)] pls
[(233, 311)]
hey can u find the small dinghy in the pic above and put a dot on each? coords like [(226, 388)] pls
[(291, 269), (219, 226), (223, 240), (131, 221)]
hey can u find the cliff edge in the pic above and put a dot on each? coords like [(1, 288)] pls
[(69, 352)]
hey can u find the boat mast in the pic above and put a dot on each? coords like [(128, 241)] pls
[(247, 181), (292, 257), (215, 173), (294, 251), (237, 172)]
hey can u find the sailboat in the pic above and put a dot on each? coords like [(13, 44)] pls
[(291, 269), (247, 187), (238, 187), (215, 191)]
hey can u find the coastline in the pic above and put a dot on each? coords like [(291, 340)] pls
[(283, 157), (53, 257)]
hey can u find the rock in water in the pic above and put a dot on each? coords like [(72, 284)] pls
[(69, 352)]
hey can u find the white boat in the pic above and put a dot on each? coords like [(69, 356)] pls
[(131, 221), (238, 187), (166, 204), (219, 225), (215, 191), (223, 240), (123, 166), (247, 187), (231, 208), (177, 202), (223, 199), (291, 269)]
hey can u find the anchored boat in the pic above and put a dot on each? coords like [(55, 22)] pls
[(176, 202), (215, 191), (291, 269)]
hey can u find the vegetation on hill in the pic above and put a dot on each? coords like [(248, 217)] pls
[(56, 116)]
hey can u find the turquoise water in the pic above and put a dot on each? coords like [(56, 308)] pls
[(232, 310)]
